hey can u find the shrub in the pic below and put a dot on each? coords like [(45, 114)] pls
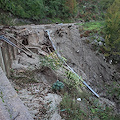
[(73, 81), (71, 5), (57, 86), (106, 3), (51, 61), (112, 29), (36, 9), (56, 8)]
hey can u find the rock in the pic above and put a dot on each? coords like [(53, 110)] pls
[(55, 116), (53, 100)]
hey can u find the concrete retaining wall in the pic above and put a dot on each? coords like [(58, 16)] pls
[(11, 107), (7, 54)]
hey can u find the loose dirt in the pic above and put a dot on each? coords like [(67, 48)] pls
[(42, 103)]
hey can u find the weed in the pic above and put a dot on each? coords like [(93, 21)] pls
[(72, 81), (2, 97), (71, 109), (51, 61), (103, 112), (36, 9), (93, 109)]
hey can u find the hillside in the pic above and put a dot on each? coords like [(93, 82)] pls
[(34, 78), (62, 57)]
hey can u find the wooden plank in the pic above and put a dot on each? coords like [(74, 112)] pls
[(9, 56), (13, 50)]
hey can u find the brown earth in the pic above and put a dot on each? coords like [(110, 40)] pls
[(80, 56)]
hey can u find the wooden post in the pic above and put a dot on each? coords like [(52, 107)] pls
[(13, 51), (14, 48), (9, 55), (5, 58), (1, 61)]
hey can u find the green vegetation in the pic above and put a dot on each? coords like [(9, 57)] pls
[(112, 30), (108, 29), (73, 81), (102, 18), (6, 18), (105, 4), (113, 91), (57, 86), (38, 9), (51, 61), (72, 109), (96, 25), (1, 96), (90, 10)]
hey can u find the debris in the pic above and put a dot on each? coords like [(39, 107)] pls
[(79, 99)]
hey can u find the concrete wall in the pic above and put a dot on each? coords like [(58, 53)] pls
[(7, 55)]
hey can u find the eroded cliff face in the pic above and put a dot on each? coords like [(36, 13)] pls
[(66, 37)]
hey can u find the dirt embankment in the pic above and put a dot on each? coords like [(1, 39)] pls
[(66, 37), (99, 74)]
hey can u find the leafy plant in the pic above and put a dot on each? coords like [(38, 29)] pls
[(51, 61), (114, 92), (71, 109), (90, 10), (73, 81), (57, 86)]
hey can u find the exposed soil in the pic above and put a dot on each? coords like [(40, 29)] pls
[(87, 63), (34, 88)]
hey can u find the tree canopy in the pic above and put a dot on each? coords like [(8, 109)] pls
[(37, 9)]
